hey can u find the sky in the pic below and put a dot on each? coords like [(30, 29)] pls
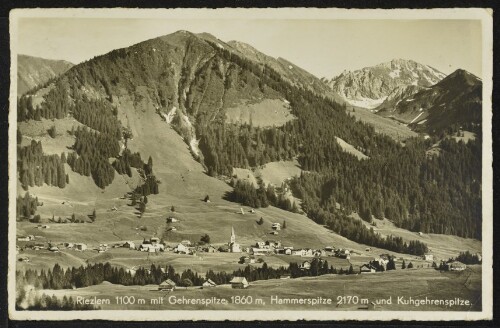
[(324, 47)]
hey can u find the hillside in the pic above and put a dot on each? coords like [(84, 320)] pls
[(453, 102), (35, 71), (370, 86), (170, 119)]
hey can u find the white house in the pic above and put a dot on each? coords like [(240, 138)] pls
[(181, 249), (428, 257), (209, 283), (306, 265), (276, 226)]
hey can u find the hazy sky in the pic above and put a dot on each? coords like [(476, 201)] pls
[(323, 47)]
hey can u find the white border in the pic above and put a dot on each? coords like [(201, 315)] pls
[(484, 15)]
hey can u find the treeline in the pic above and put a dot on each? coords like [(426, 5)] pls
[(95, 274), (468, 258), (26, 206), (25, 301), (98, 115), (225, 146), (356, 230), (35, 168), (55, 105), (245, 193), (91, 156)]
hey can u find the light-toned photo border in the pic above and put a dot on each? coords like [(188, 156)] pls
[(481, 14)]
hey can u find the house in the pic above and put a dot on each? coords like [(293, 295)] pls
[(26, 238), (456, 266), (167, 285), (273, 244), (367, 268), (297, 252), (129, 245), (307, 252), (276, 226), (260, 244), (80, 247), (181, 249), (209, 283), (285, 276), (329, 249), (69, 245), (239, 282), (186, 242), (428, 257), (210, 249), (171, 219), (319, 253), (260, 251), (172, 229), (54, 249), (274, 233), (306, 265), (154, 240), (24, 259), (344, 253), (247, 259), (288, 250)]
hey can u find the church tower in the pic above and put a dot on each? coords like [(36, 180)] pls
[(233, 236), (234, 247)]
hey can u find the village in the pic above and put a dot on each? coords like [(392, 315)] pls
[(257, 253)]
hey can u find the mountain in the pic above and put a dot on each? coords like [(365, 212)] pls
[(34, 71), (370, 86), (454, 101), (171, 118)]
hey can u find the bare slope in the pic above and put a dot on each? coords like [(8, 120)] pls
[(35, 71)]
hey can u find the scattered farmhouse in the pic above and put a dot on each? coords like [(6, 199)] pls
[(26, 238), (306, 265), (54, 249), (129, 244), (181, 249), (239, 282), (367, 268), (276, 226), (456, 266), (80, 247), (171, 219), (186, 242), (343, 253), (428, 257), (167, 285), (209, 283)]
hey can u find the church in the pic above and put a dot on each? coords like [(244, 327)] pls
[(234, 247)]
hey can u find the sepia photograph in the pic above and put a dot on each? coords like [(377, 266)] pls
[(250, 164)]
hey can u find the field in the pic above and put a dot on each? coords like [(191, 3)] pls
[(265, 113), (364, 289), (393, 129)]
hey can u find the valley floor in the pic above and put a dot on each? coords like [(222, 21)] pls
[(357, 292)]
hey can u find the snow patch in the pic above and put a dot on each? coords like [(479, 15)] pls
[(186, 119), (170, 115), (366, 102), (154, 49), (290, 66), (414, 82), (422, 121), (220, 45), (193, 144), (286, 101), (395, 73)]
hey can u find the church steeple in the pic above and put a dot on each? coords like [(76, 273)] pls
[(233, 236)]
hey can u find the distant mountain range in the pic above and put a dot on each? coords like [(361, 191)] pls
[(370, 86), (455, 100), (34, 71)]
